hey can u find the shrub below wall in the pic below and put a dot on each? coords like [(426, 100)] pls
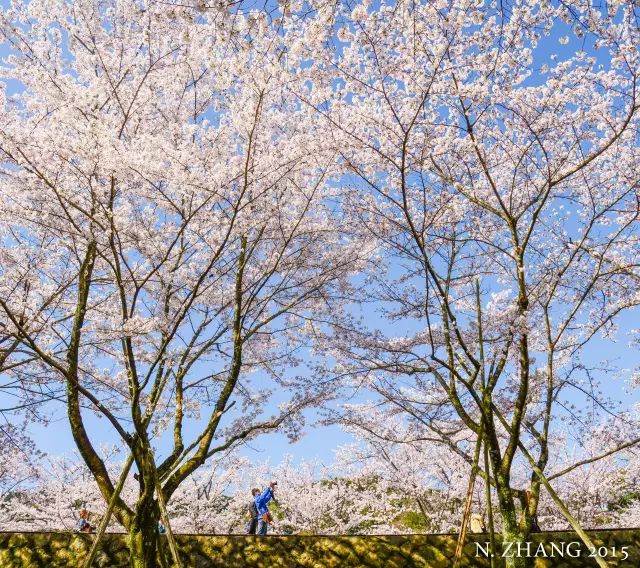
[(68, 550)]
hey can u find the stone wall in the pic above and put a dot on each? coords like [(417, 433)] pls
[(68, 550)]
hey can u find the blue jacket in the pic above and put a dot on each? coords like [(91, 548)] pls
[(263, 499)]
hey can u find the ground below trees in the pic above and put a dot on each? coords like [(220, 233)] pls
[(68, 550)]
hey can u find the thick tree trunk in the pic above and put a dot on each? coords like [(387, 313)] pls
[(143, 540), (514, 548)]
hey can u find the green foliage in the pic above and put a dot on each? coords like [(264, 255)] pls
[(412, 520), (625, 500)]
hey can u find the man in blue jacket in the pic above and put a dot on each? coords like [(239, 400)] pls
[(262, 500)]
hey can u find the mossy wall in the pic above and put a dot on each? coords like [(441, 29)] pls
[(68, 550)]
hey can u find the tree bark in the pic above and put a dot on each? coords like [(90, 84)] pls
[(513, 547), (513, 535), (143, 539)]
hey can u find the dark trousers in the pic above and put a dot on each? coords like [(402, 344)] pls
[(262, 527), (251, 526)]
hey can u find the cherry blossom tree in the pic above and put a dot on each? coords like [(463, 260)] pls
[(46, 503), (602, 493), (424, 478), (501, 184), (19, 459), (168, 232)]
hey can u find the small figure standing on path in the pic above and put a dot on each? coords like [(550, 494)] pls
[(262, 500), (83, 523), (161, 528)]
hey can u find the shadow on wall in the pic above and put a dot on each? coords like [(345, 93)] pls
[(68, 550)]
